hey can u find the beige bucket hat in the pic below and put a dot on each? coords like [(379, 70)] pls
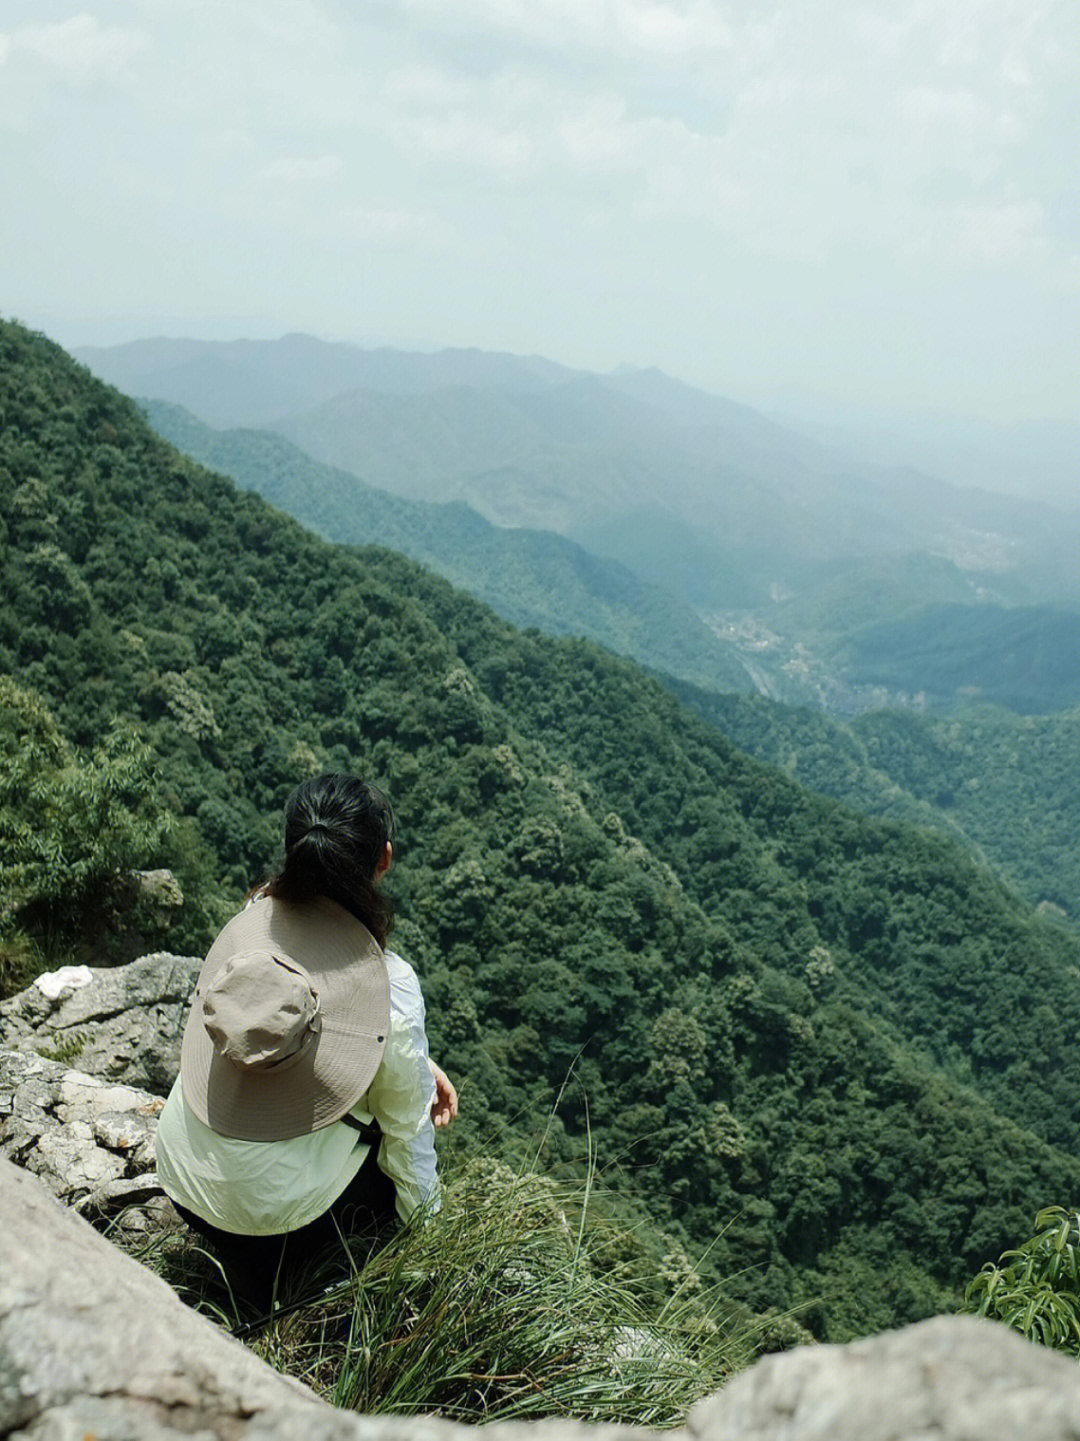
[(288, 1022)]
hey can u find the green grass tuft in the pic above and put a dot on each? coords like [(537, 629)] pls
[(508, 1303)]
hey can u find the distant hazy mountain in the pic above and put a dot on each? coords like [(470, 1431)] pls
[(785, 545), (587, 458), (530, 577), (1034, 459), (610, 460), (251, 382)]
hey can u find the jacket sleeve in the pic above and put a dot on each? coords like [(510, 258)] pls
[(401, 1094)]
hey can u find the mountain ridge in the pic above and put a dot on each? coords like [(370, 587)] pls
[(530, 578), (529, 442), (782, 1028)]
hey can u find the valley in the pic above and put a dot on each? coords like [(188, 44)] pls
[(799, 1039)]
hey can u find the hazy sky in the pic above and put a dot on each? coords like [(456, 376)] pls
[(874, 201)]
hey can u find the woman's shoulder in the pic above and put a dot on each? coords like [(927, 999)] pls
[(406, 997)]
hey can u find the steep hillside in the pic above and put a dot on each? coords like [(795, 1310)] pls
[(1006, 786), (1027, 659), (831, 1039), (532, 578)]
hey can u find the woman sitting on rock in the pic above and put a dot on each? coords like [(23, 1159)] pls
[(305, 1057)]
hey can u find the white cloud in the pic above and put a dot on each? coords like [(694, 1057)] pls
[(598, 135), (673, 30), (652, 29), (482, 142), (680, 172), (651, 152), (793, 129), (955, 108), (301, 169), (427, 86), (81, 46), (391, 227), (499, 123), (1000, 234)]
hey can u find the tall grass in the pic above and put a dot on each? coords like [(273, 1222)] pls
[(509, 1303)]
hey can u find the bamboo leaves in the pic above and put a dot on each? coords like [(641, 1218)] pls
[(1035, 1288)]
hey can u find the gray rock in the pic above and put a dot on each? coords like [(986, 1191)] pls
[(93, 1344), (127, 1132), (161, 889), (79, 1134), (126, 1024), (953, 1378)]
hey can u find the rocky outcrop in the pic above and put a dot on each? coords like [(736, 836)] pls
[(90, 1142), (93, 1344), (121, 1023), (86, 1056), (952, 1378)]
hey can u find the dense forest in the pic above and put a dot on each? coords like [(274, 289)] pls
[(1025, 659), (1005, 785), (828, 1052)]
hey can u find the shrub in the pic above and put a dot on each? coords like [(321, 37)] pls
[(73, 825), (1035, 1288)]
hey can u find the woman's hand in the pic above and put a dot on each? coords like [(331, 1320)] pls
[(444, 1106)]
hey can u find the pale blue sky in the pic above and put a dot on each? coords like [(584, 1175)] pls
[(877, 202)]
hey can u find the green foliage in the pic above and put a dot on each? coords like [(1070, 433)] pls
[(21, 960), (72, 825), (1006, 786), (787, 1033), (1009, 782), (1035, 1288), (512, 1302)]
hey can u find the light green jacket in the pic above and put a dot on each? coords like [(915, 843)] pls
[(264, 1188)]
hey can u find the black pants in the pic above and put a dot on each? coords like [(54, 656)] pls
[(260, 1268)]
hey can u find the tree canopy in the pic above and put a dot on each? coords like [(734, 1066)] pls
[(830, 1048)]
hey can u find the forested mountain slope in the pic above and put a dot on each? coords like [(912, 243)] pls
[(1008, 784), (832, 1039), (530, 577), (1027, 659)]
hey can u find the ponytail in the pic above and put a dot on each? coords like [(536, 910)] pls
[(337, 828)]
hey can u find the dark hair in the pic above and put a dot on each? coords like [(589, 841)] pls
[(336, 830)]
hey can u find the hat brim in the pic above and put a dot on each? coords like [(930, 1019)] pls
[(348, 971)]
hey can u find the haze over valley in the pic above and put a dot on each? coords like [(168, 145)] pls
[(825, 579)]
